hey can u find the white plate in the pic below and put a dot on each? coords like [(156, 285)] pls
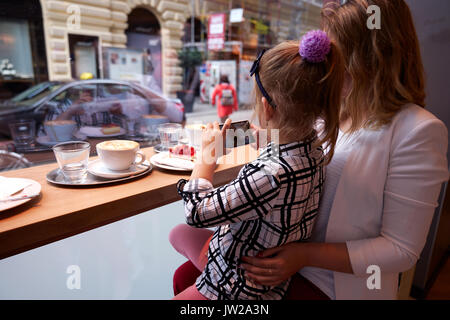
[(45, 140), (96, 132), (97, 168), (160, 160), (33, 189)]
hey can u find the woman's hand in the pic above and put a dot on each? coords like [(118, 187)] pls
[(274, 266)]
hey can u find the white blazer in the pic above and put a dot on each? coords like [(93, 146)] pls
[(386, 198)]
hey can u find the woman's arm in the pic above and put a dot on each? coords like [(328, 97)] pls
[(214, 94), (276, 265), (236, 103), (417, 168)]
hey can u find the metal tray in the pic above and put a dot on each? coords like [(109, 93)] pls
[(56, 177)]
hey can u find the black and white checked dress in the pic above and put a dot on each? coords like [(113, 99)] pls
[(273, 201)]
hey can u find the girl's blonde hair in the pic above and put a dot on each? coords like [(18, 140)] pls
[(303, 92), (385, 64)]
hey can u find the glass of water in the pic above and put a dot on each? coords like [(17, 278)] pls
[(169, 134), (23, 133), (72, 158)]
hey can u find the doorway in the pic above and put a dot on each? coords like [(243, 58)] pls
[(84, 55)]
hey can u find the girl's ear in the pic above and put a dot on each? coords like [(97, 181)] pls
[(267, 109)]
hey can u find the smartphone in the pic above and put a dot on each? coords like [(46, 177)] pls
[(243, 125), (236, 140)]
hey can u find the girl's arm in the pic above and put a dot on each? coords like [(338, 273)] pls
[(250, 196)]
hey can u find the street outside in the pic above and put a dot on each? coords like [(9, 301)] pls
[(206, 113)]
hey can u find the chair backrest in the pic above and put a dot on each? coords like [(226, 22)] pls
[(405, 284), (12, 160)]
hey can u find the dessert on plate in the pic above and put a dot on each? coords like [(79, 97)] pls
[(182, 151), (110, 128)]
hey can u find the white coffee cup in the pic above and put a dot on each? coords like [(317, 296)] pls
[(120, 155), (60, 130), (194, 133)]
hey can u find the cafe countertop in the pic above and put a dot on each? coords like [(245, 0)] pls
[(61, 212)]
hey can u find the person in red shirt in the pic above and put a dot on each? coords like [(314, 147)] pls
[(225, 93)]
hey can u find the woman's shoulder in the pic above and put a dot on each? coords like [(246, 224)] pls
[(412, 116), (414, 124)]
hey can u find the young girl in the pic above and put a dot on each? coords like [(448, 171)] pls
[(274, 199)]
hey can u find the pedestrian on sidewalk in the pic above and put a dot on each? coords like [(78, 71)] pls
[(226, 98)]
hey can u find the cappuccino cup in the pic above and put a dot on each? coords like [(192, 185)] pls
[(60, 130), (118, 155)]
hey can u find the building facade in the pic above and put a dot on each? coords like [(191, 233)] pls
[(78, 33), (108, 21)]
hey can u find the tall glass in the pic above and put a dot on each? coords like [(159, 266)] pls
[(169, 134), (72, 158)]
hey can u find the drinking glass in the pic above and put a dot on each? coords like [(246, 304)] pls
[(169, 134), (133, 127), (72, 158), (23, 132)]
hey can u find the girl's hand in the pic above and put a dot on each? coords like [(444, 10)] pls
[(274, 266), (212, 138), (213, 142)]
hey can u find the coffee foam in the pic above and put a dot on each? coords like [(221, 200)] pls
[(118, 145)]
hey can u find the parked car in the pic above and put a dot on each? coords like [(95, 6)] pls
[(53, 96)]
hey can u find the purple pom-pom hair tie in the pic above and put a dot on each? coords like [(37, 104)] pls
[(315, 46)]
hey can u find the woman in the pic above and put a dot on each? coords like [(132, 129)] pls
[(225, 96), (383, 182)]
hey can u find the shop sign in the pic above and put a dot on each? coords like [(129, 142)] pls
[(216, 31), (236, 15)]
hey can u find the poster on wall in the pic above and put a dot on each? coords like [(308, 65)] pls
[(150, 47), (216, 31), (123, 64)]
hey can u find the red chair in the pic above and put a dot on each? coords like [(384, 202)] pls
[(299, 288)]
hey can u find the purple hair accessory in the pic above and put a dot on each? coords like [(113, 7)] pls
[(315, 46)]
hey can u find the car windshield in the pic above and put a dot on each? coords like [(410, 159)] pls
[(35, 93)]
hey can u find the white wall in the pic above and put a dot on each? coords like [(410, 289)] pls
[(129, 259)]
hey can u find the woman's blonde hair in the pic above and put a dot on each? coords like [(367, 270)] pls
[(385, 64), (303, 92)]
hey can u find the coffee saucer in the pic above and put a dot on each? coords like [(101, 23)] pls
[(97, 168)]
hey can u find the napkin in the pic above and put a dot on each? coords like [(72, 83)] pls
[(10, 186), (176, 162)]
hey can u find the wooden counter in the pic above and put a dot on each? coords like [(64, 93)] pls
[(63, 212)]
